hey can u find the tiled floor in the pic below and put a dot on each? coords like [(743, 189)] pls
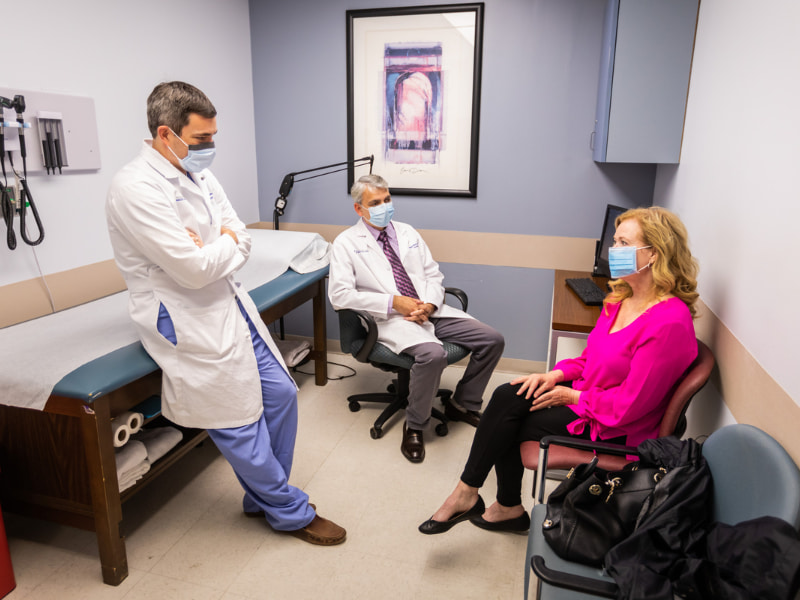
[(188, 539)]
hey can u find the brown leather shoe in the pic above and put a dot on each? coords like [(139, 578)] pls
[(413, 446), (454, 412), (321, 532)]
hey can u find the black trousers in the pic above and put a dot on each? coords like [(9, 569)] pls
[(506, 423)]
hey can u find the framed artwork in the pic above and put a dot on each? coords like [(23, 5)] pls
[(413, 96)]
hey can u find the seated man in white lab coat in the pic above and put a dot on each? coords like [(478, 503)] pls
[(178, 243), (385, 268)]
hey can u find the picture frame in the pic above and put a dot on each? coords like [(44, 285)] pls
[(413, 96)]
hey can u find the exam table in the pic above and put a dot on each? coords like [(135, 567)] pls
[(57, 455)]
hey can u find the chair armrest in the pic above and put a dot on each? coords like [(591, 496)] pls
[(579, 444), (460, 294), (602, 447), (576, 583)]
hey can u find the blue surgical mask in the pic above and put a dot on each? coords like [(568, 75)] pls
[(622, 261), (381, 215), (200, 156)]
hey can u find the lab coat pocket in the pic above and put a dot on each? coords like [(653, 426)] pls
[(212, 331), (215, 378)]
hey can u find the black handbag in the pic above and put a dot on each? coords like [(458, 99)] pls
[(594, 509)]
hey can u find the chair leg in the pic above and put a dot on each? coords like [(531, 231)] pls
[(396, 405), (396, 400), (441, 429)]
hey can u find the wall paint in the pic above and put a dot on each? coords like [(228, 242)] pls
[(115, 53), (736, 187), (536, 175)]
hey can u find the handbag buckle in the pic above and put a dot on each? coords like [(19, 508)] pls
[(659, 475), (613, 484)]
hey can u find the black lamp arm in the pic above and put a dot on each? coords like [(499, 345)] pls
[(289, 180)]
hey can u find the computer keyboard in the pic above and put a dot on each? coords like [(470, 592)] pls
[(587, 290)]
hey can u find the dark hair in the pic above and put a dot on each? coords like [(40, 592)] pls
[(171, 103)]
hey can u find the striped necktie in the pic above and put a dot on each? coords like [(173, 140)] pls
[(401, 278)]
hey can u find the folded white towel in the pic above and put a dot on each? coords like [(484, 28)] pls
[(158, 441), (315, 256), (129, 457), (293, 351), (132, 476)]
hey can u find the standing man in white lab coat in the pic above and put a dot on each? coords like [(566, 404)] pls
[(178, 243), (384, 267)]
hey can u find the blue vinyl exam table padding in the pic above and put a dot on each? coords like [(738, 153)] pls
[(129, 363)]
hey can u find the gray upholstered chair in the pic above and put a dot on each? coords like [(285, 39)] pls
[(358, 334), (753, 476)]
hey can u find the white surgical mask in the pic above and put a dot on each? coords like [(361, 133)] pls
[(200, 156), (622, 261), (381, 215)]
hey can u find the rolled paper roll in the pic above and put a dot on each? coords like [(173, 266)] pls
[(134, 420), (120, 432)]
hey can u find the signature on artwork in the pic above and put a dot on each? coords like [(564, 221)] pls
[(412, 170)]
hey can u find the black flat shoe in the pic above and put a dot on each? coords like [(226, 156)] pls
[(430, 526), (520, 524)]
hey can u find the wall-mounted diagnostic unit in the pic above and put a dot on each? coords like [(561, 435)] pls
[(58, 126), (48, 134)]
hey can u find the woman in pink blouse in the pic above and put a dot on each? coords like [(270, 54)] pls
[(615, 391)]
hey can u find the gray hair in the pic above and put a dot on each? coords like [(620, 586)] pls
[(171, 103), (365, 182)]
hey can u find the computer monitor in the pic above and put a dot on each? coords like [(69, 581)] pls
[(606, 241)]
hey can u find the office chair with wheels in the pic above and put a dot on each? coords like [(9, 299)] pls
[(735, 454), (673, 423), (358, 335)]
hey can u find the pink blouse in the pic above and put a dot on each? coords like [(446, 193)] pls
[(625, 377)]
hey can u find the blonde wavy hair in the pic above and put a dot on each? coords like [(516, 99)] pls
[(674, 269)]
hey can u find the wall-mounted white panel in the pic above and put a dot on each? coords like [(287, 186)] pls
[(79, 125)]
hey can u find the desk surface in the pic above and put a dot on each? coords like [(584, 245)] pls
[(569, 312)]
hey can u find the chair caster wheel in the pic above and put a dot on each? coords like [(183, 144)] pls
[(354, 407), (441, 429), (375, 433)]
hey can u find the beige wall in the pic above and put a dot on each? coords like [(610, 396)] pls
[(41, 296), (495, 249)]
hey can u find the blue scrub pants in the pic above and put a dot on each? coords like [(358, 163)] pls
[(261, 453)]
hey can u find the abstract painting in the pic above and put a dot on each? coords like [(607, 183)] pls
[(414, 95)]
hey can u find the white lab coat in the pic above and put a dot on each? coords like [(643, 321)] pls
[(361, 279), (210, 377)]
